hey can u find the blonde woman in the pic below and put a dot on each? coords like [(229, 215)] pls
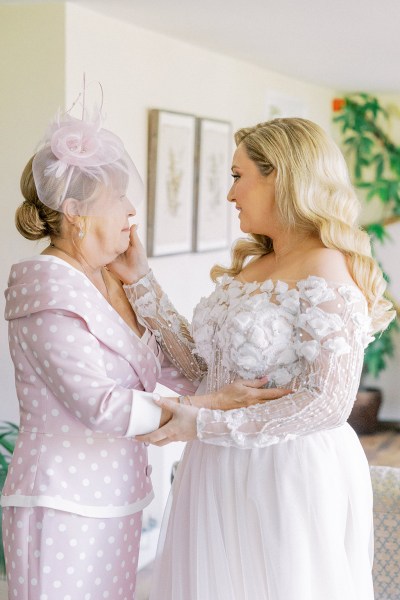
[(273, 501)]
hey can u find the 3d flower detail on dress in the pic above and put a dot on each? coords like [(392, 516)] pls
[(253, 329)]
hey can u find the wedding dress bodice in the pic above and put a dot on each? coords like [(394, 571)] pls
[(306, 336)]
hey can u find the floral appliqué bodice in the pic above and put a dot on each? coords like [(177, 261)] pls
[(307, 336), (252, 329)]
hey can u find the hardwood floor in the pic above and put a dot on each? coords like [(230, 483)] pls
[(383, 446)]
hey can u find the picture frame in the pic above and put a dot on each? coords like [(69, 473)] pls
[(281, 105), (214, 148), (171, 164)]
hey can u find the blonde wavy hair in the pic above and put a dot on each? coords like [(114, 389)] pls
[(313, 195)]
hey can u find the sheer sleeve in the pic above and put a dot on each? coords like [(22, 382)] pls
[(155, 311), (174, 380), (330, 332)]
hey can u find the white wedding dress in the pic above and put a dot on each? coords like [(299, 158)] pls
[(272, 502)]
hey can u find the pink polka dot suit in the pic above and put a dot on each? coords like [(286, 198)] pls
[(78, 482)]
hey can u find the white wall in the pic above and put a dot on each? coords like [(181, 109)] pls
[(32, 60)]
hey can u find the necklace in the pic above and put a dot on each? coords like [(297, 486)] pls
[(107, 296)]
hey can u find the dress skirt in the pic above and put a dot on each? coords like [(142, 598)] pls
[(54, 555), (290, 521)]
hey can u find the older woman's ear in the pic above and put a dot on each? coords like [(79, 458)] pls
[(70, 208)]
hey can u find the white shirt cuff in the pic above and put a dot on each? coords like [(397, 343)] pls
[(145, 414)]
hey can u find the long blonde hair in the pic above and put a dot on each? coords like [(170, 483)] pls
[(314, 195)]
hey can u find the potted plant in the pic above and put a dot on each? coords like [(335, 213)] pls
[(374, 164), (8, 436)]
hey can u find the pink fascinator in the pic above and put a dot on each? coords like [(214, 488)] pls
[(77, 158)]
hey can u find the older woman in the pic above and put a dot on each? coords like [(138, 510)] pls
[(85, 371)]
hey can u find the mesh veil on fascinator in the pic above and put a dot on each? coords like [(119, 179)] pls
[(76, 158)]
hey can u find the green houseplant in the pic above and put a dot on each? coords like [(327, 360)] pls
[(374, 163), (8, 436)]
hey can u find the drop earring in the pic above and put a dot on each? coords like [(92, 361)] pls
[(81, 233)]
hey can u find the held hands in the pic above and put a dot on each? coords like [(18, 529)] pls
[(132, 264), (178, 421), (181, 427), (244, 392)]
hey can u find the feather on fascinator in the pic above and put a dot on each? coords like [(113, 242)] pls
[(76, 157)]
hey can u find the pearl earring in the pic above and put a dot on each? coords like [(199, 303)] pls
[(81, 234)]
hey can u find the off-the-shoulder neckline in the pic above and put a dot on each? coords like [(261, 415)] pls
[(332, 282)]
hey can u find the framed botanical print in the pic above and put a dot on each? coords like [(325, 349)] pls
[(171, 163), (279, 104), (213, 159)]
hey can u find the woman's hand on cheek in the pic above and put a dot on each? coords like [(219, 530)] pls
[(132, 264), (180, 428)]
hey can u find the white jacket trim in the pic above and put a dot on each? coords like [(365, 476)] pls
[(103, 512)]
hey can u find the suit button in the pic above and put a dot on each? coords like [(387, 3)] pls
[(149, 470)]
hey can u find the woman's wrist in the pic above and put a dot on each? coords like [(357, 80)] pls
[(166, 416), (185, 400), (135, 279), (205, 400)]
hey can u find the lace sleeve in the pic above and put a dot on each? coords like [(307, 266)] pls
[(155, 311), (329, 338)]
